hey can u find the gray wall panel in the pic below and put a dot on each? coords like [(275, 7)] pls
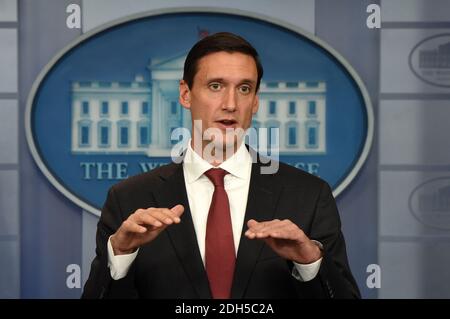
[(8, 132), (9, 203), (296, 12), (8, 60), (8, 10), (414, 132), (415, 269), (400, 216), (43, 33), (10, 270), (343, 25), (415, 10)]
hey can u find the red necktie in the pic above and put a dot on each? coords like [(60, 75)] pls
[(220, 255)]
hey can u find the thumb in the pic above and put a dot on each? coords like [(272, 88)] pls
[(177, 210)]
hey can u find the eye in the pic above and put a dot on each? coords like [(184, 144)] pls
[(215, 86), (245, 89)]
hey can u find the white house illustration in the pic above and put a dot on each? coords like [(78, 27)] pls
[(438, 201), (138, 117), (437, 58)]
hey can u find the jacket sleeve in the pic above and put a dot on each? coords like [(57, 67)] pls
[(334, 279), (100, 284)]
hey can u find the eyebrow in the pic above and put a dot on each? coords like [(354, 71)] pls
[(222, 80)]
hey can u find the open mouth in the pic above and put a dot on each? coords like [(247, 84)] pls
[(227, 123)]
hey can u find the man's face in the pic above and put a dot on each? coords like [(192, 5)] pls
[(223, 95)]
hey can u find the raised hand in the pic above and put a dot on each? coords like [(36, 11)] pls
[(143, 226), (286, 239)]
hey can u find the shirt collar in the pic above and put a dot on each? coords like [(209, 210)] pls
[(239, 164)]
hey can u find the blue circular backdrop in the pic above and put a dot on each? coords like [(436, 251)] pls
[(122, 51)]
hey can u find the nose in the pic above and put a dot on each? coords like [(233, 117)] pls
[(230, 101)]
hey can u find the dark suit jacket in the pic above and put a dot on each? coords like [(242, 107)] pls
[(171, 266)]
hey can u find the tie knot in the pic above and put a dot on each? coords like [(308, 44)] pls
[(216, 176)]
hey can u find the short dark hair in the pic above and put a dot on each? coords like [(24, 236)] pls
[(217, 42)]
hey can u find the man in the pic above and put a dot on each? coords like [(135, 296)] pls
[(214, 226)]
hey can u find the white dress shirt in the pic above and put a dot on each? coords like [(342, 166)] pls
[(199, 191)]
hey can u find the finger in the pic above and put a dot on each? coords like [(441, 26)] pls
[(132, 227), (250, 234), (173, 214), (251, 223), (262, 235), (280, 232), (141, 217), (164, 215), (268, 229), (149, 220), (280, 223), (263, 225), (255, 227), (177, 211), (284, 229), (269, 226), (290, 232)]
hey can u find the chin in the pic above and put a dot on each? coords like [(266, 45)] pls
[(222, 143)]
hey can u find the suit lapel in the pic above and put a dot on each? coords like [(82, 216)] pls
[(261, 204), (182, 235)]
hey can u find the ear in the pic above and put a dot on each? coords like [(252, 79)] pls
[(255, 105), (185, 95)]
